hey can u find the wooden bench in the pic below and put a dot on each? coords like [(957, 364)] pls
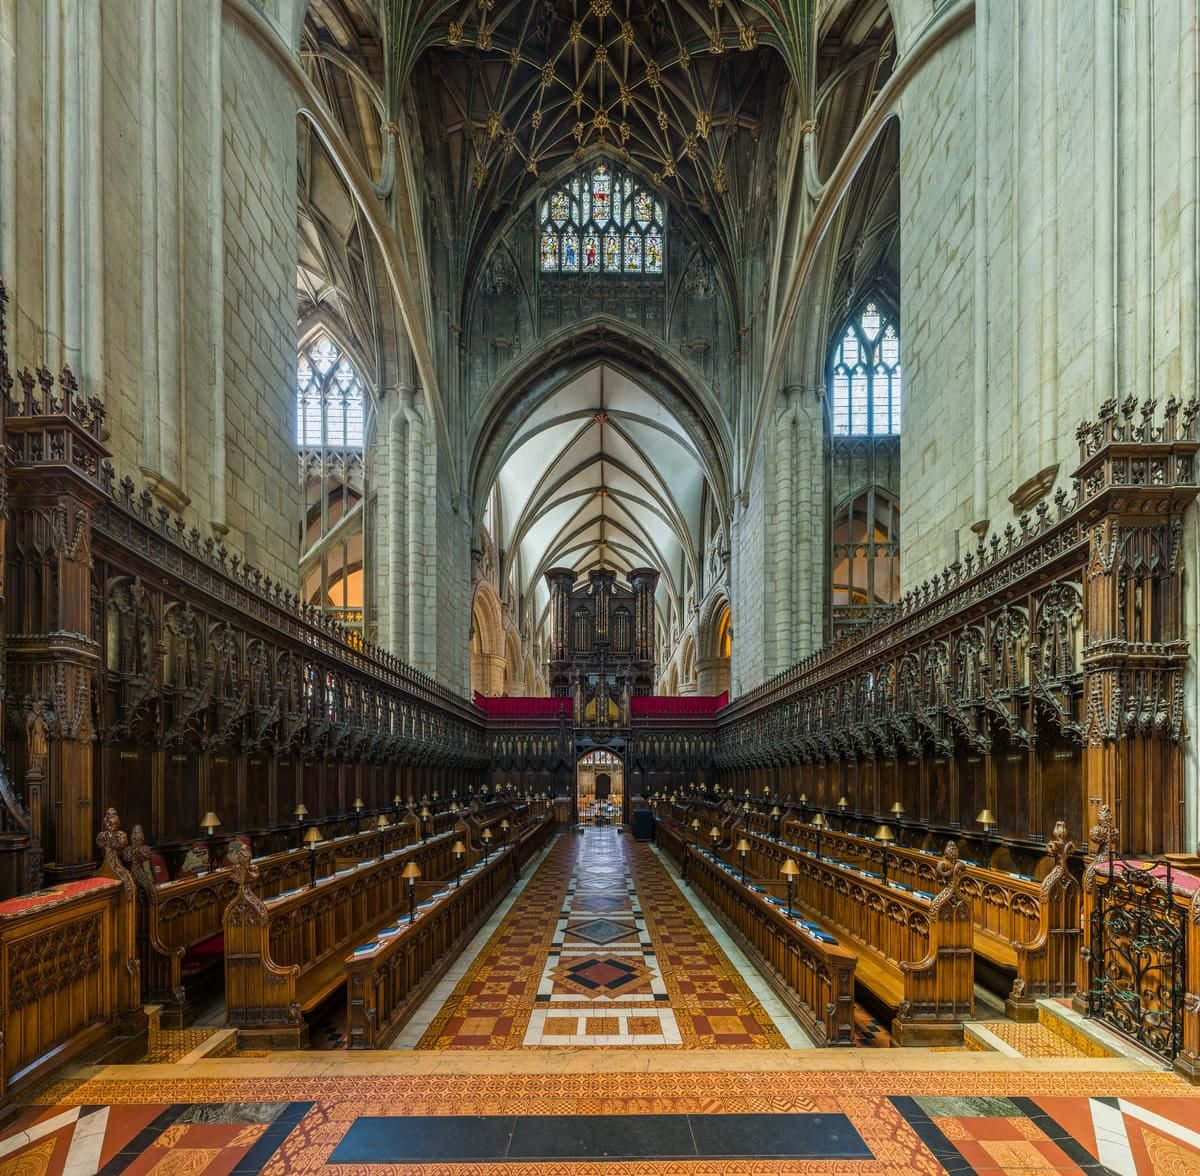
[(387, 977), (1026, 927), (284, 955), (180, 922), (815, 979), (915, 950)]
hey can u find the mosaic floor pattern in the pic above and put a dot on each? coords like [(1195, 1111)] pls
[(602, 950), (868, 1123)]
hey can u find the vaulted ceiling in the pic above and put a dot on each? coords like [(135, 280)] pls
[(519, 90), (600, 474)]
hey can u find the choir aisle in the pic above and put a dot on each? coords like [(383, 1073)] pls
[(602, 949)]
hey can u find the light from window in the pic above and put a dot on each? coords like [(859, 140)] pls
[(330, 398), (865, 376), (601, 221)]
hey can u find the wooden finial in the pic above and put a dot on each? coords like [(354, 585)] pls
[(950, 871)]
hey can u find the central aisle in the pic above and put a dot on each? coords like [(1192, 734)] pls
[(602, 949)]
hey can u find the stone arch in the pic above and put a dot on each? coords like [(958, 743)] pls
[(575, 349), (514, 676), (487, 641), (687, 664), (714, 639)]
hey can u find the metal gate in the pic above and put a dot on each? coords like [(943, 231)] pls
[(1139, 955)]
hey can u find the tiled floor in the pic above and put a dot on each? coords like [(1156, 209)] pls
[(862, 1120), (604, 950)]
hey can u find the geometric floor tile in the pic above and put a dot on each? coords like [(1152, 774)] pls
[(661, 982), (602, 976), (864, 1122), (602, 931)]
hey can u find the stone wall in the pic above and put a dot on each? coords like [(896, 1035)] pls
[(1074, 140), (148, 238)]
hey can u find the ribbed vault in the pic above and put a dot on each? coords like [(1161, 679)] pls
[(599, 474)]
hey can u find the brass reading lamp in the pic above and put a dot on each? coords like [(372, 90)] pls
[(789, 870), (381, 824), (696, 827), (714, 835), (897, 811), (487, 844), (426, 816), (504, 828), (819, 823), (842, 805), (776, 813), (300, 812), (459, 850), (396, 803), (743, 848), (311, 836), (884, 833), (411, 873), (358, 808), (803, 806), (210, 823), (988, 821)]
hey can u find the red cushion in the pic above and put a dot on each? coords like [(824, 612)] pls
[(205, 953)]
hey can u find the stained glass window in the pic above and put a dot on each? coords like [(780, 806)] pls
[(865, 375), (330, 398), (601, 221)]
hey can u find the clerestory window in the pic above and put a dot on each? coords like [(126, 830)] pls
[(601, 221), (865, 376), (330, 398)]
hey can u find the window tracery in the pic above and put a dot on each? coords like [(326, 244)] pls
[(865, 375), (330, 397), (601, 220)]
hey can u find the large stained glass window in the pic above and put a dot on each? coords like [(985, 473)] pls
[(864, 374), (601, 221), (330, 398)]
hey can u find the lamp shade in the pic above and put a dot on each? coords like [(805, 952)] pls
[(358, 803), (804, 798), (211, 821), (714, 833), (775, 811), (897, 810), (381, 822), (487, 834), (843, 803), (986, 818), (425, 813), (459, 849), (504, 825), (743, 846), (819, 821), (311, 836), (300, 811), (397, 801), (884, 833), (789, 869), (411, 872), (696, 824)]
